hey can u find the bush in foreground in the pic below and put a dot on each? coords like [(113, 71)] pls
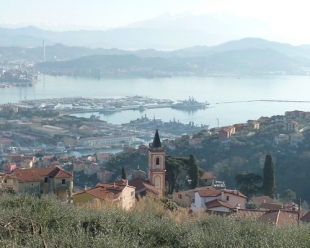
[(26, 221)]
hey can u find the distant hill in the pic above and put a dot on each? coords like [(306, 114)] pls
[(164, 32), (247, 61)]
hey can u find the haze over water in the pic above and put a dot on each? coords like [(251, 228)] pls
[(212, 89)]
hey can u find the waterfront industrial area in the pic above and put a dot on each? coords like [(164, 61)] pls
[(72, 105)]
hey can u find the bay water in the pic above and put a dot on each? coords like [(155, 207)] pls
[(227, 96)]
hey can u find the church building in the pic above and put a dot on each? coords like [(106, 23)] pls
[(157, 168), (155, 183)]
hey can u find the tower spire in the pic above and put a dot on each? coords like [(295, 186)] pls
[(156, 141)]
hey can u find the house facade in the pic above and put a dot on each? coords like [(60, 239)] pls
[(119, 193), (38, 181), (217, 199)]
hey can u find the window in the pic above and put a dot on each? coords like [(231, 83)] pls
[(227, 198), (31, 184), (132, 193), (63, 181), (179, 196), (157, 161), (46, 179)]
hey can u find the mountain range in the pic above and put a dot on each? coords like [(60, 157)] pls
[(245, 56), (164, 32)]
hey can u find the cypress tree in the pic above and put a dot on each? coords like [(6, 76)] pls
[(193, 172), (269, 187), (124, 173)]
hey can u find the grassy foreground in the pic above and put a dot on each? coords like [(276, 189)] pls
[(27, 221)]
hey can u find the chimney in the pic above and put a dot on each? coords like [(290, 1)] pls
[(126, 182), (85, 187), (222, 196), (114, 185)]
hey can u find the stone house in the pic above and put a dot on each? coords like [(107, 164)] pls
[(218, 200), (296, 138), (291, 126), (119, 193), (281, 138), (38, 181)]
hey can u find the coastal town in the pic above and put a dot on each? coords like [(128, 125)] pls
[(38, 138)]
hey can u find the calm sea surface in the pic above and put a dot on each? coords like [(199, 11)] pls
[(215, 90)]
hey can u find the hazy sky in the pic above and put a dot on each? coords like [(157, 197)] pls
[(286, 18)]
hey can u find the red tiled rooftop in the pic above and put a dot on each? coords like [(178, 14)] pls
[(34, 174), (218, 203), (141, 184), (262, 199)]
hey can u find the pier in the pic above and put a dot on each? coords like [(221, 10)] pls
[(261, 101)]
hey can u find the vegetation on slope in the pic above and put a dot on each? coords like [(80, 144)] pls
[(26, 221)]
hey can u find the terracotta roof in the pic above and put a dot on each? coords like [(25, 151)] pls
[(271, 206), (248, 213), (279, 218), (34, 174), (102, 193), (58, 172), (275, 217), (218, 203), (207, 175), (262, 199), (234, 192), (212, 192), (141, 184), (209, 191), (306, 217), (118, 185)]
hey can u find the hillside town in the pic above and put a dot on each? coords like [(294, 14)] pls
[(34, 153)]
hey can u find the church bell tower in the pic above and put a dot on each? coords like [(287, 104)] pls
[(157, 167)]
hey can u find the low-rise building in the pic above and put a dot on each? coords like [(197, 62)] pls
[(296, 138), (143, 187), (27, 163), (281, 138), (106, 140), (277, 118), (291, 126), (119, 193), (218, 199), (208, 178), (253, 124), (40, 181), (227, 132)]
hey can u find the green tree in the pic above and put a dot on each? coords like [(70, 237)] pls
[(124, 176), (193, 171), (174, 168), (288, 195), (248, 182), (269, 188)]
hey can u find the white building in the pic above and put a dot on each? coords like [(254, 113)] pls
[(106, 140), (218, 199)]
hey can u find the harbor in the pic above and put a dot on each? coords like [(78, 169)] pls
[(73, 105)]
